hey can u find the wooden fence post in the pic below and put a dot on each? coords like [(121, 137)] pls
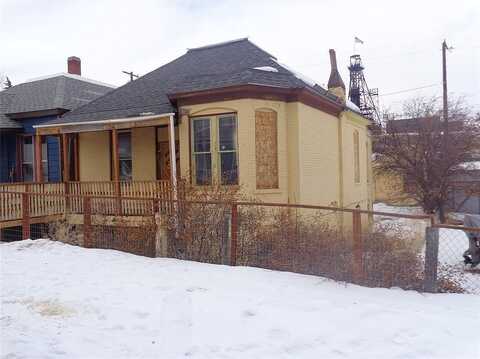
[(234, 235), (357, 246), (87, 222), (431, 259), (25, 216)]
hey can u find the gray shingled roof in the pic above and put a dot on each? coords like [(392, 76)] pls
[(62, 91), (210, 67), (5, 122)]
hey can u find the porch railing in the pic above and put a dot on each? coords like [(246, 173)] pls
[(119, 202)]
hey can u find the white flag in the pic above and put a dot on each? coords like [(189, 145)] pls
[(358, 41)]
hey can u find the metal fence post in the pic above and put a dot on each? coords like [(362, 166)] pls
[(357, 246), (431, 259), (25, 216), (234, 235), (87, 222)]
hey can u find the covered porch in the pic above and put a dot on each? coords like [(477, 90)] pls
[(143, 148), (120, 160)]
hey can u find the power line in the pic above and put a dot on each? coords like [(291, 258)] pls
[(409, 90)]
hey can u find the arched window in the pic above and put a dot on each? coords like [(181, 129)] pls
[(356, 156)]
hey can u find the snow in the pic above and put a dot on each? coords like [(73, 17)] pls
[(298, 75), (473, 165), (402, 226), (61, 301), (352, 106), (72, 76), (266, 68)]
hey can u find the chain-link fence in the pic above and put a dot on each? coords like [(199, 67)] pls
[(459, 258), (373, 249)]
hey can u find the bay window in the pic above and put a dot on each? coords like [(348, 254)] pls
[(214, 150)]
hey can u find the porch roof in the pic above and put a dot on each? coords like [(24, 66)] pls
[(147, 120)]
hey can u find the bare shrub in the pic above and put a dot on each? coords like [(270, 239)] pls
[(314, 244), (200, 231)]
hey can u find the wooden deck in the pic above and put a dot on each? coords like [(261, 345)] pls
[(47, 201)]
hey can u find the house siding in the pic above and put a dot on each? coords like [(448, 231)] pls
[(361, 193), (318, 149), (94, 156), (8, 151), (143, 154)]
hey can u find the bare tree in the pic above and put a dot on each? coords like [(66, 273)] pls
[(428, 151)]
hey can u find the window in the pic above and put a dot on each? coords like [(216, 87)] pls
[(356, 156), (44, 159), (266, 155), (214, 151), (125, 155), (202, 155), (27, 159), (227, 148)]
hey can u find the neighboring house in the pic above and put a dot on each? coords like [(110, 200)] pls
[(35, 102), (232, 115)]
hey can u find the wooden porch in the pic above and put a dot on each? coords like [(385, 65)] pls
[(44, 202)]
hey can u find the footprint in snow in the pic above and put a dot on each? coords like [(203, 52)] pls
[(196, 289), (141, 315), (249, 313)]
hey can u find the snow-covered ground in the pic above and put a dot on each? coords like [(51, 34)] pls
[(60, 301)]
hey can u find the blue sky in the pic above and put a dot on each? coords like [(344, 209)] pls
[(401, 50)]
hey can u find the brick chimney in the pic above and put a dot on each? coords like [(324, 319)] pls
[(335, 82), (74, 65)]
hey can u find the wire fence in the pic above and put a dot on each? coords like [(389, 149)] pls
[(374, 249), (459, 257)]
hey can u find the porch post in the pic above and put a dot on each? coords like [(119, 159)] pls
[(66, 170), (115, 156), (38, 158), (65, 158), (116, 170), (173, 157)]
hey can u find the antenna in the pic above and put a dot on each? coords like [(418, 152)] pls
[(131, 74)]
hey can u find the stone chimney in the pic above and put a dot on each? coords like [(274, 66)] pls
[(335, 82), (74, 65)]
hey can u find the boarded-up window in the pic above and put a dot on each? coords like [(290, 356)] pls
[(356, 156), (266, 151)]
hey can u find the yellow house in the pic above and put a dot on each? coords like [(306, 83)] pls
[(230, 114)]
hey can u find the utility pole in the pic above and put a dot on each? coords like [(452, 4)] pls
[(445, 99), (131, 74)]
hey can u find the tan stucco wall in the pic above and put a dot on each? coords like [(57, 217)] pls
[(356, 193), (245, 110), (143, 154), (309, 154), (94, 156), (318, 154)]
